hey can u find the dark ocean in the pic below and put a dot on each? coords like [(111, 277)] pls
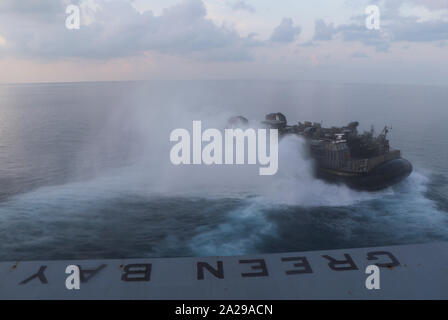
[(85, 171)]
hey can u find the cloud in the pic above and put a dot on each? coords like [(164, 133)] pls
[(432, 4), (182, 29), (44, 8), (353, 32), (359, 33), (323, 31), (308, 44), (395, 27), (241, 6), (409, 29), (286, 31), (359, 55)]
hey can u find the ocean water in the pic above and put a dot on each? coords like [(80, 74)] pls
[(85, 171)]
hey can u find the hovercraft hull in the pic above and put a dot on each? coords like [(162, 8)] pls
[(385, 175)]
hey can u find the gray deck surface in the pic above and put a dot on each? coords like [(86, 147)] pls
[(406, 272)]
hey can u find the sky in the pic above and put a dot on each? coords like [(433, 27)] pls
[(319, 40)]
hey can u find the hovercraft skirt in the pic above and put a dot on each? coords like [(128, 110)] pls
[(381, 177)]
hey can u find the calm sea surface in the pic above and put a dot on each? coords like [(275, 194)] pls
[(85, 171)]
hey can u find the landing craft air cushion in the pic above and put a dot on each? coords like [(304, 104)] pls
[(342, 155)]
